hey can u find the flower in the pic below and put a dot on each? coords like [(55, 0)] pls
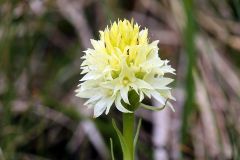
[(122, 61)]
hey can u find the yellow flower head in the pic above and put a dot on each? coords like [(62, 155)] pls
[(122, 61)]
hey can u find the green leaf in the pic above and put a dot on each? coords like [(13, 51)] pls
[(133, 99), (123, 143), (111, 145), (137, 133), (152, 108)]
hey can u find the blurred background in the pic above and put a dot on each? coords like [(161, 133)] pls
[(41, 42)]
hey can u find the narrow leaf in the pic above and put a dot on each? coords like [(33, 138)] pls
[(153, 108), (137, 133), (111, 145), (124, 146)]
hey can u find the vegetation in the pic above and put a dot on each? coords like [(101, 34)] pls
[(41, 42)]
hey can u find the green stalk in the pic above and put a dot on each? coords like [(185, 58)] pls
[(128, 133), (189, 44)]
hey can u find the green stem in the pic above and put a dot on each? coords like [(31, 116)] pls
[(128, 133)]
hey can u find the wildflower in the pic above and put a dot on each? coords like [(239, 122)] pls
[(123, 61)]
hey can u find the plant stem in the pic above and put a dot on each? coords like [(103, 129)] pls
[(128, 133), (189, 44)]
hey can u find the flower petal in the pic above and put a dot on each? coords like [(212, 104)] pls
[(141, 96), (158, 97), (93, 98), (99, 108), (170, 105), (122, 61), (109, 103), (120, 106), (124, 94), (159, 83), (167, 94), (142, 84), (90, 76)]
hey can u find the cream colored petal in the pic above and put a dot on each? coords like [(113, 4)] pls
[(126, 72), (159, 83), (143, 36), (147, 92), (124, 94), (141, 96), (93, 99), (84, 94), (119, 105), (90, 75), (142, 84), (158, 97), (134, 87), (167, 94), (171, 106), (117, 63), (98, 45), (99, 108), (109, 104), (167, 69)]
